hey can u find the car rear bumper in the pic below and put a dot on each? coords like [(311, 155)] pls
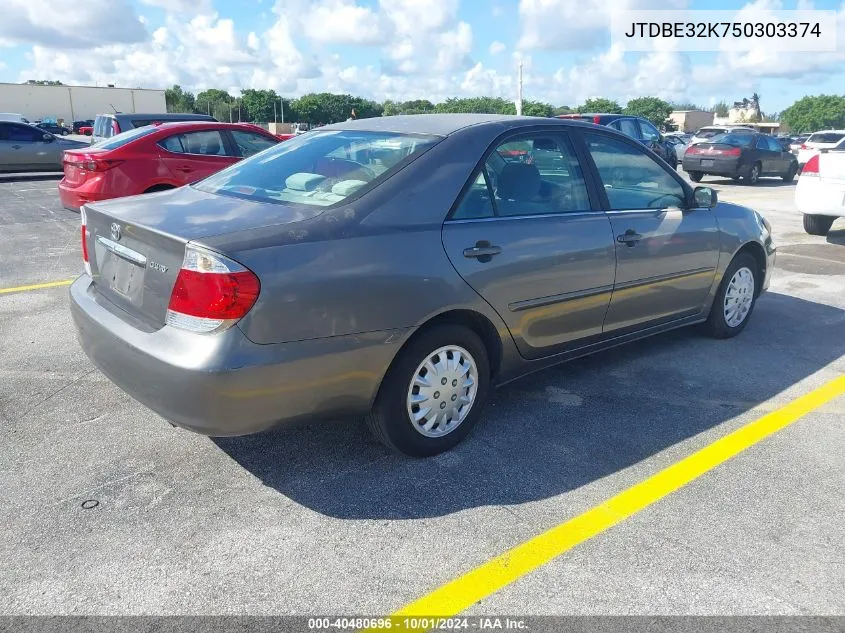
[(223, 384), (719, 167), (814, 196), (73, 198)]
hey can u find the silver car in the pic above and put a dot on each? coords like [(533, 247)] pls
[(25, 147), (398, 268)]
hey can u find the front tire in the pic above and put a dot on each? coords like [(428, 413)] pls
[(434, 392), (817, 224), (735, 298), (789, 176), (696, 176)]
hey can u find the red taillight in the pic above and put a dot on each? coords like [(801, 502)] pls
[(811, 168), (211, 292), (597, 120), (692, 149), (803, 146), (735, 151), (90, 163)]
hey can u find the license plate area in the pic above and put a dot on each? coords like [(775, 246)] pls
[(707, 162), (122, 269)]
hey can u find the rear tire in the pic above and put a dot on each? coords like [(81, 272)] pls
[(735, 178), (753, 176), (817, 224), (391, 421), (695, 176), (789, 176), (735, 298)]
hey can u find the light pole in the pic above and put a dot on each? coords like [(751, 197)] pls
[(519, 92)]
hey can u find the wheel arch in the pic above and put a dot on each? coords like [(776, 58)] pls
[(756, 250)]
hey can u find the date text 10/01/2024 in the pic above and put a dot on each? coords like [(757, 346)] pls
[(417, 624)]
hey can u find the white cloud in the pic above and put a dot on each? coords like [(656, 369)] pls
[(70, 24), (342, 22), (182, 6), (497, 47)]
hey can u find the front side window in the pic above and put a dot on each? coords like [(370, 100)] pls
[(631, 178), (320, 168), (249, 143), (532, 175), (650, 132)]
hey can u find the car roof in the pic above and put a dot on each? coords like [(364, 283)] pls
[(442, 124)]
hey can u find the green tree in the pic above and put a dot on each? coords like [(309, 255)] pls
[(327, 107), (655, 110), (562, 110), (260, 105), (813, 113), (416, 106), (178, 100), (720, 109), (601, 105), (207, 101), (537, 108), (685, 105), (478, 105)]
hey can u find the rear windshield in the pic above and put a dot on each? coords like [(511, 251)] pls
[(730, 138), (709, 132), (119, 140), (825, 137), (319, 168)]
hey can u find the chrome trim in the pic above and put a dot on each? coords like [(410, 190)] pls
[(527, 304), (573, 214), (121, 251), (661, 278)]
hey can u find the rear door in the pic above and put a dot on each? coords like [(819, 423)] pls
[(782, 159), (769, 160), (528, 237), (665, 257), (192, 156)]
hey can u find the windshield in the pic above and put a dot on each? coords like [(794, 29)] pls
[(319, 168), (825, 137), (119, 140), (730, 138), (709, 132)]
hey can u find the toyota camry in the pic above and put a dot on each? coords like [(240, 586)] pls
[(398, 268)]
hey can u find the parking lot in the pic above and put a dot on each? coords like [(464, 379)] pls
[(110, 510)]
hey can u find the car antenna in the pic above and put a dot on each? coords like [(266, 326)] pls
[(113, 108)]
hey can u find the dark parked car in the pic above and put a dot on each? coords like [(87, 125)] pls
[(108, 125), (78, 125), (399, 268), (635, 127), (740, 155), (29, 148), (54, 128)]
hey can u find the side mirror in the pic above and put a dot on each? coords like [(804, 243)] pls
[(47, 138), (705, 197)]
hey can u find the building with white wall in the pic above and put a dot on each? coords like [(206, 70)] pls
[(74, 103)]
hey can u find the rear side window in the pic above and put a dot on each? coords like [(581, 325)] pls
[(825, 137), (202, 143), (629, 128), (23, 134), (250, 143)]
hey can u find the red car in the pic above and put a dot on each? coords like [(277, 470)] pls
[(156, 157)]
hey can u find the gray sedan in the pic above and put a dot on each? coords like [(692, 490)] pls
[(28, 148), (398, 268)]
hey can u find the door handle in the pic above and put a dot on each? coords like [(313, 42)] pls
[(185, 168), (16, 146), (629, 237), (483, 251)]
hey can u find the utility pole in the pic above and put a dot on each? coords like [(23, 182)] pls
[(282, 106), (519, 92), (274, 112)]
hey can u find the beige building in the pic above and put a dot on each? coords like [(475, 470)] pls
[(73, 103), (691, 120)]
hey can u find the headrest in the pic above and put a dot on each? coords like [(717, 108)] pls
[(545, 145), (348, 187), (519, 181), (303, 181)]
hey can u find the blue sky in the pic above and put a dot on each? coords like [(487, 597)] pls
[(400, 49)]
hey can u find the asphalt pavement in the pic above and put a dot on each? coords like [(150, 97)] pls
[(110, 510)]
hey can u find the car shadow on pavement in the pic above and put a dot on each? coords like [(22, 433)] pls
[(836, 236), (560, 429), (764, 182)]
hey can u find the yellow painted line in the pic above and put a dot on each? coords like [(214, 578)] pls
[(485, 580), (49, 284)]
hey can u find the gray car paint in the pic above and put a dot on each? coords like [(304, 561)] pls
[(342, 289), (44, 154)]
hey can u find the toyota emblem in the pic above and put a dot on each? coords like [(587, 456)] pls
[(115, 231)]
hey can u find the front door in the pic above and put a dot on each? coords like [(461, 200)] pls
[(526, 237), (666, 256)]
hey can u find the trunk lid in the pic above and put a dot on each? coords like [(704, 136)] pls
[(136, 245), (832, 166)]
